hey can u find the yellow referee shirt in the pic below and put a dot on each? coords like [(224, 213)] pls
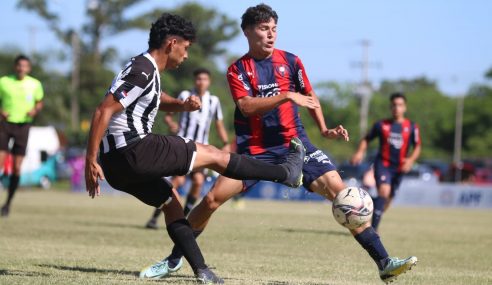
[(18, 97)]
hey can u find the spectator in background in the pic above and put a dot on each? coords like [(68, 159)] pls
[(20, 101)]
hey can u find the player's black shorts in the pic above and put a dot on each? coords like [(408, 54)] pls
[(20, 134), (139, 169)]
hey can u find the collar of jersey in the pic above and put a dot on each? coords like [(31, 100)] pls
[(149, 57)]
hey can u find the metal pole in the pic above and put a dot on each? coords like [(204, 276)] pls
[(458, 138), (74, 106), (365, 96)]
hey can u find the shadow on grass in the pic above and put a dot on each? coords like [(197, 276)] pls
[(314, 231), (90, 269), (21, 273), (115, 225)]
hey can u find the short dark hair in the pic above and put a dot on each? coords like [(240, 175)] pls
[(261, 13), (397, 95), (21, 57), (170, 25), (201, 70)]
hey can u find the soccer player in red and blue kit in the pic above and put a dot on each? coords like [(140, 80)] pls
[(268, 86), (396, 136)]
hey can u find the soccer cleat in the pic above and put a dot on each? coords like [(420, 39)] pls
[(395, 267), (152, 224), (5, 211), (294, 163), (206, 276), (160, 269)]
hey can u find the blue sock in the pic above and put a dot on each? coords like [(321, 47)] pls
[(370, 241), (378, 211)]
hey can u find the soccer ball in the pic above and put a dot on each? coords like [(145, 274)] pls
[(352, 207)]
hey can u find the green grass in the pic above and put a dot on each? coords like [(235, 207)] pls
[(57, 237)]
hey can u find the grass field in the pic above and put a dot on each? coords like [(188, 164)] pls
[(63, 238)]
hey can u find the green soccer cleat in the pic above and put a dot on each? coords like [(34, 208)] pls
[(395, 267), (160, 270)]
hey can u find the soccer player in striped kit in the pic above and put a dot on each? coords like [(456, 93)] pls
[(396, 136)]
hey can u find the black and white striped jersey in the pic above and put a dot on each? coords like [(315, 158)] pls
[(196, 125), (137, 87)]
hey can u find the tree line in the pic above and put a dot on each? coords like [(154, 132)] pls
[(433, 110)]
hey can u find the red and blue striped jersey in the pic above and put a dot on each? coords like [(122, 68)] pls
[(395, 140), (272, 131)]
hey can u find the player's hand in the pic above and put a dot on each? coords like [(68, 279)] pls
[(192, 103), (303, 100), (32, 113), (93, 172), (338, 132), (357, 158), (226, 147), (407, 165), (4, 115), (173, 127)]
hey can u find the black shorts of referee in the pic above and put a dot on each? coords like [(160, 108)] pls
[(139, 168)]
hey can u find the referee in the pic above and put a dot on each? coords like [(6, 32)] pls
[(20, 102), (196, 127)]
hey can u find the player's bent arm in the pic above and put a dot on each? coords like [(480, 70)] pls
[(415, 153), (99, 124), (221, 130), (317, 114), (251, 106), (359, 154), (170, 104)]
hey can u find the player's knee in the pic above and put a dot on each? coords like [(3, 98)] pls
[(211, 202)]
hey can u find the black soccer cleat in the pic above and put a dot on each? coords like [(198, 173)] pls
[(294, 163), (5, 211), (152, 224), (206, 276)]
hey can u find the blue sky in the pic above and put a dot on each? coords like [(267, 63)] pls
[(448, 41)]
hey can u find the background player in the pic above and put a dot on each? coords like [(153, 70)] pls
[(268, 85), (396, 136), (20, 101), (135, 161), (196, 127)]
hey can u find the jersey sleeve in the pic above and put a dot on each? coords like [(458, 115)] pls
[(132, 81), (415, 137), (218, 111), (184, 95), (301, 79), (38, 92), (374, 132), (238, 83)]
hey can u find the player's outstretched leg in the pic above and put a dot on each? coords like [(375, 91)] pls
[(242, 167)]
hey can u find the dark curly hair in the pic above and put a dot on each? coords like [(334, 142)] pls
[(397, 95), (170, 25), (21, 57), (261, 13)]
